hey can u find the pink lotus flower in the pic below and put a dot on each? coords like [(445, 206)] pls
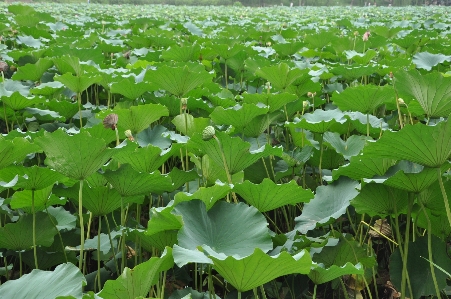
[(366, 35)]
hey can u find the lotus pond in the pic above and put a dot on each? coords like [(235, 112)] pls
[(224, 152)]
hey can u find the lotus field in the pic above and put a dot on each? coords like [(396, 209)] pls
[(224, 152)]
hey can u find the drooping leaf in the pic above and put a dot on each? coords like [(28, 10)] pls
[(268, 195), (136, 282), (209, 195), (432, 91), (129, 182), (78, 84), (279, 75), (320, 274), (259, 268), (188, 124), (426, 60), (221, 228), (425, 145), (15, 151), (273, 101), (363, 166), (351, 147), (363, 98), (77, 156), (329, 203), (42, 199), (33, 72), (161, 220), (319, 121), (130, 89), (18, 236), (65, 280)]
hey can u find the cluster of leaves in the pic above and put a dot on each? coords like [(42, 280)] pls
[(228, 150)]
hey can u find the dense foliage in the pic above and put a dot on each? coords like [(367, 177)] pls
[(166, 152)]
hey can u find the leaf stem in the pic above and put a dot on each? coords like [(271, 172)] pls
[(99, 283), (226, 168), (82, 227), (34, 230), (445, 197)]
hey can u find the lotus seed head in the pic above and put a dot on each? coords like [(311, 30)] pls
[(110, 121), (208, 133)]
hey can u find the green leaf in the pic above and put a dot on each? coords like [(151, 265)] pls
[(209, 195), (78, 84), (319, 121), (189, 125), (77, 156), (329, 203), (138, 118), (136, 282), (418, 268), (236, 151), (363, 166), (34, 177), (178, 81), (364, 98), (432, 91), (377, 199), (64, 219), (18, 236), (280, 76), (129, 182), (42, 198), (426, 60), (425, 145), (149, 242), (221, 228), (268, 195), (15, 151), (33, 72), (130, 89), (65, 280), (163, 220), (17, 101), (259, 268), (320, 274), (351, 147), (47, 89), (274, 101), (146, 159), (101, 200)]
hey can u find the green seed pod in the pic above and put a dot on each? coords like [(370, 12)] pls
[(208, 133)]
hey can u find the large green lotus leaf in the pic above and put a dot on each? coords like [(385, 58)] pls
[(268, 195), (432, 198), (154, 137), (320, 274), (209, 195), (42, 199), (48, 88), (16, 101), (363, 166), (138, 118), (273, 101), (146, 159), (188, 124), (236, 151), (319, 40), (19, 9), (280, 76), (19, 235), (68, 64), (413, 177), (304, 84), (130, 89), (101, 201), (14, 151), (351, 147), (163, 219), (33, 177), (225, 51), (183, 256), (29, 41), (136, 282), (380, 200), (78, 84), (180, 177), (259, 268), (222, 228), (178, 80), (384, 31), (426, 60), (65, 280), (426, 145), (64, 219), (129, 182), (363, 98), (185, 53), (418, 268), (76, 156), (288, 49), (432, 91), (238, 116), (329, 203), (359, 121), (361, 58), (319, 121), (33, 72), (64, 108)]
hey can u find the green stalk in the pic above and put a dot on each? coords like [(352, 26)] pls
[(431, 265), (123, 257), (445, 197), (79, 109), (20, 264), (406, 242), (6, 118), (345, 291), (98, 255), (314, 291), (111, 244), (34, 230), (163, 285), (226, 167), (262, 290), (82, 227), (321, 160), (59, 234)]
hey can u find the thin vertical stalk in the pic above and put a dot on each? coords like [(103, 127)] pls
[(79, 109), (314, 291), (226, 167), (111, 244), (445, 197), (34, 230), (99, 283), (163, 286), (82, 227)]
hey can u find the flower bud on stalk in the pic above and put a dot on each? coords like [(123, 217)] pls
[(208, 133), (129, 135)]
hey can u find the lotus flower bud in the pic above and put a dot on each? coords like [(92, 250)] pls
[(366, 35), (401, 101), (311, 94), (184, 102), (110, 121), (356, 33), (305, 104), (129, 135), (268, 44), (208, 133)]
